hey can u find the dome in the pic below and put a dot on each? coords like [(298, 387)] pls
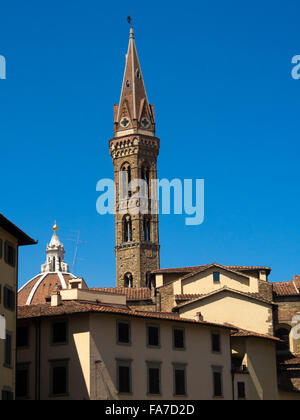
[(54, 273), (39, 289)]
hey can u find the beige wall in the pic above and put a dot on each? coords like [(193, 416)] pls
[(235, 309), (77, 351), (8, 276), (203, 282), (261, 363), (92, 354), (259, 357), (198, 356)]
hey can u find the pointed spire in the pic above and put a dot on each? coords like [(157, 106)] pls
[(55, 239), (134, 113), (55, 255)]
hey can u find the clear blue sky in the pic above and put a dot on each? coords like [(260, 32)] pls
[(219, 74)]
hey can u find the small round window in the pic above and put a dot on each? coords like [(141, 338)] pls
[(128, 84)]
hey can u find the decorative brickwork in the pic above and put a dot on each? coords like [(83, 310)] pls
[(134, 150)]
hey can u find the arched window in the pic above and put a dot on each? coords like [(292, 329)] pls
[(53, 264), (146, 229), (145, 175), (284, 334), (150, 280), (128, 280), (125, 180), (127, 228)]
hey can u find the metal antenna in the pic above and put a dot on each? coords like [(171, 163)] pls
[(77, 242)]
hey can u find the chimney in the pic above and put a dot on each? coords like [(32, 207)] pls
[(199, 316), (56, 298)]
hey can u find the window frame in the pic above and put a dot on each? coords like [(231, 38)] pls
[(216, 277), (238, 390), (120, 343), (184, 339), (157, 326), (8, 392), (54, 344), (219, 370), (180, 366), (124, 363), (154, 365), (59, 363), (11, 363), (216, 334), (7, 245), (25, 367), (9, 303)]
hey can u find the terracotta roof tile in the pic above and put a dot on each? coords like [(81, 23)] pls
[(75, 307), (185, 297), (190, 297), (247, 333), (195, 298), (287, 288), (200, 267), (138, 293)]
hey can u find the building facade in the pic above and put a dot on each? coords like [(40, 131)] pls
[(11, 237), (77, 348)]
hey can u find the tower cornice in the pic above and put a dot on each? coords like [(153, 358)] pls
[(133, 145)]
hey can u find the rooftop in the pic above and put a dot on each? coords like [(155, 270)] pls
[(187, 270), (11, 228)]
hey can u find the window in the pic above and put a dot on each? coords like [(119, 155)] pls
[(124, 376), (216, 277), (178, 339), (59, 377), (7, 395), (10, 254), (146, 229), (241, 390), (153, 336), (145, 176), (216, 342), (128, 280), (284, 335), (127, 229), (153, 369), (179, 380), (9, 298), (22, 336), (59, 332), (217, 382), (8, 350), (123, 332), (22, 381), (125, 173)]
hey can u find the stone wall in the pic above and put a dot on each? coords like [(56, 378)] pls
[(167, 297)]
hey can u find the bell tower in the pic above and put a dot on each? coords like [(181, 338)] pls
[(134, 151)]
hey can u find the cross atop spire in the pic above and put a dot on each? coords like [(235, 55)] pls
[(134, 114)]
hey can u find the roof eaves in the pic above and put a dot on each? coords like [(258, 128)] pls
[(11, 228)]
